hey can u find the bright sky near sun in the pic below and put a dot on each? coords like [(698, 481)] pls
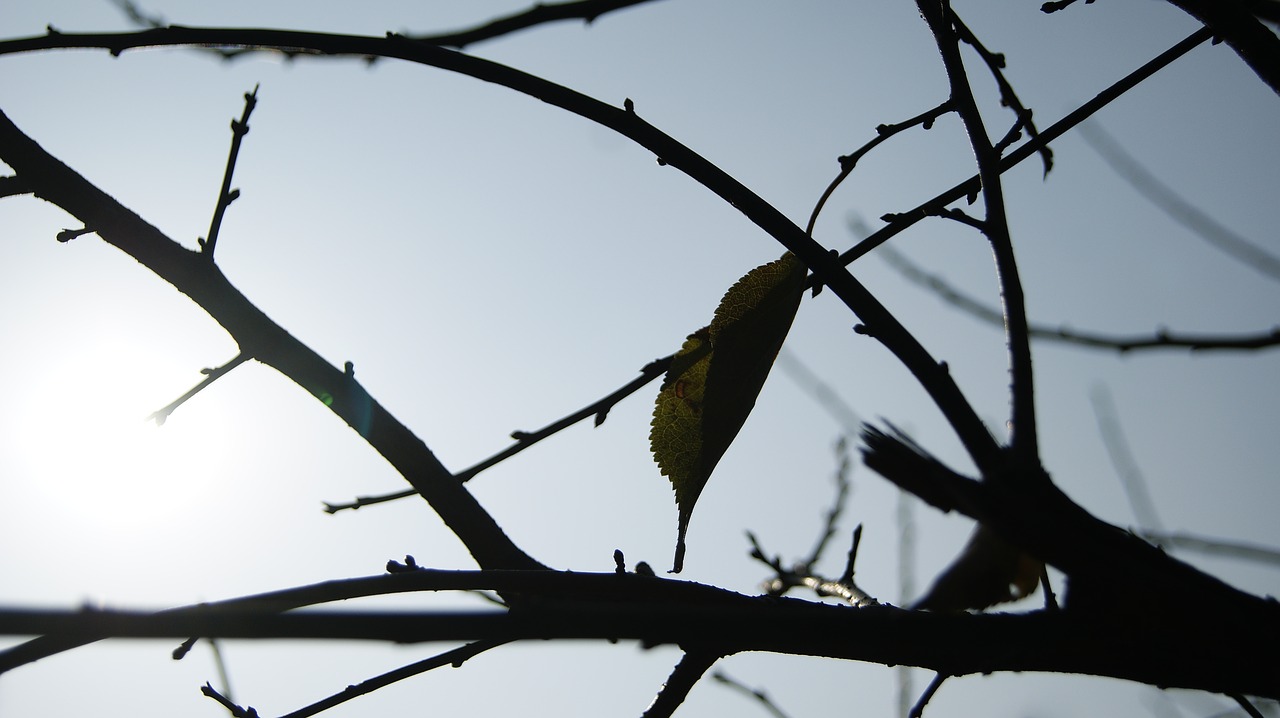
[(490, 264)]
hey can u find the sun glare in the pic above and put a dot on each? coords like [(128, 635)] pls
[(85, 440)]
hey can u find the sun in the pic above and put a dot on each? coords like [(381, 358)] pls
[(81, 439)]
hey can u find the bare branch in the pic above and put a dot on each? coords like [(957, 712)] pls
[(918, 709), (599, 410), (210, 376), (692, 666), (454, 658), (755, 693), (948, 32), (1188, 215), (1161, 339), (877, 320), (1131, 478), (883, 132), (1214, 546), (971, 186), (227, 195), (540, 14), (260, 337), (1236, 24)]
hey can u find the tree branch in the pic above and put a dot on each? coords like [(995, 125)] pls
[(971, 186), (877, 321), (599, 409), (1257, 45), (948, 32), (1161, 339), (953, 644), (260, 337)]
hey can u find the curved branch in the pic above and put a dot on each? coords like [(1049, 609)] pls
[(877, 321)]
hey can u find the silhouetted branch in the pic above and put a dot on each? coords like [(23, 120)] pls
[(210, 376), (1234, 23), (454, 658), (948, 32), (1161, 339), (918, 709), (524, 440), (757, 694), (540, 14), (11, 186), (877, 320), (971, 186), (1161, 195), (883, 132), (1056, 5), (227, 195), (660, 613), (802, 576), (995, 62), (267, 342), (691, 668)]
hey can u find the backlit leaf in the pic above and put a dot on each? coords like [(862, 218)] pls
[(714, 380)]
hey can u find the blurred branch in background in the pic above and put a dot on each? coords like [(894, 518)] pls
[(756, 693), (1160, 339), (1171, 203), (1135, 488)]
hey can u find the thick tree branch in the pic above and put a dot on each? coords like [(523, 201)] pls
[(1023, 442), (953, 644), (1235, 23), (260, 337)]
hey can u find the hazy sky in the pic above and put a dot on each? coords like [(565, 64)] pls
[(490, 264)]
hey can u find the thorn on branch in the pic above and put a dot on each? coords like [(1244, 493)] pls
[(619, 562), (629, 106), (67, 235)]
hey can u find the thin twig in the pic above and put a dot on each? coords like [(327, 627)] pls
[(1171, 203), (599, 409), (995, 64), (883, 132), (971, 186), (1160, 339), (686, 674), (454, 658), (239, 128), (755, 693), (918, 709), (235, 710), (210, 376)]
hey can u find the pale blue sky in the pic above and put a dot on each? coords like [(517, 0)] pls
[(490, 263)]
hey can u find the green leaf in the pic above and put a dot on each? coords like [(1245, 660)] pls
[(714, 380)]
